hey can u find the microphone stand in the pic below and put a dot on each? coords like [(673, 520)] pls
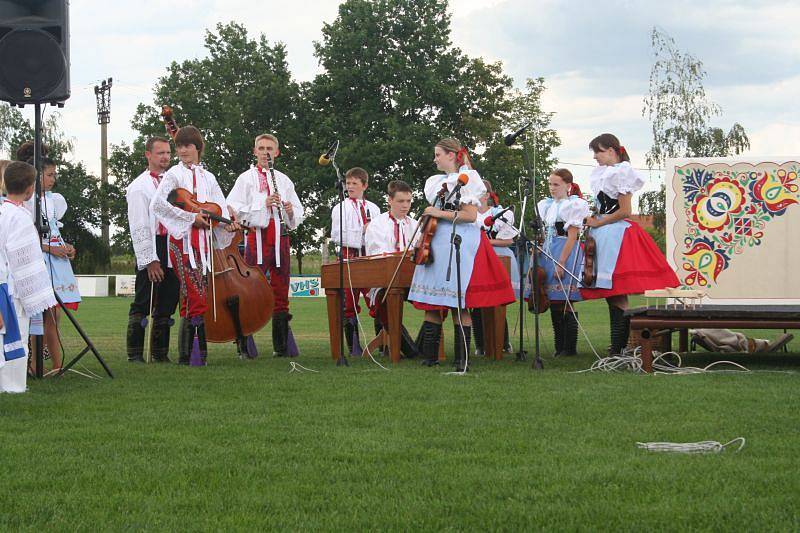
[(523, 246), (340, 186), (536, 225)]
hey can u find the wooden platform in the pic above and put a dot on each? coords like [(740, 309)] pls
[(649, 323)]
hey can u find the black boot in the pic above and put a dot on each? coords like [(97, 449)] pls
[(280, 331), (461, 347), (506, 340), (135, 338), (620, 327), (159, 346), (477, 330), (376, 322), (201, 341), (557, 317), (431, 337), (570, 334), (408, 348), (348, 329), (185, 340)]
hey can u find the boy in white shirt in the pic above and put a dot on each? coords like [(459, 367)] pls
[(348, 231), (264, 199), (388, 233), (191, 240), (25, 288)]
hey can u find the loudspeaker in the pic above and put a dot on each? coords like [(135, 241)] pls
[(34, 51)]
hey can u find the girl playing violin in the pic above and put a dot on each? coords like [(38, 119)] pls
[(484, 281), (562, 216), (191, 239), (628, 261)]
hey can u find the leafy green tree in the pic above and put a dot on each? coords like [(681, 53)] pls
[(680, 113), (80, 189), (393, 84), (242, 89), (505, 166)]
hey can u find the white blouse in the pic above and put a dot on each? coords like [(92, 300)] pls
[(471, 193), (572, 211), (504, 226), (615, 180)]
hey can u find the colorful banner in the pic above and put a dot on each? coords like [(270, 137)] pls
[(305, 287), (733, 227)]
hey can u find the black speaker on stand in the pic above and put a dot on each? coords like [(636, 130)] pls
[(34, 69), (34, 51)]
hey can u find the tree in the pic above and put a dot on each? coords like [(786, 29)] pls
[(504, 166), (80, 189), (393, 85), (242, 89), (680, 113)]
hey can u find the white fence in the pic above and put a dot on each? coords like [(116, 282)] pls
[(123, 285)]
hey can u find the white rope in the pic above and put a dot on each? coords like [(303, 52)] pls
[(631, 360), (297, 367), (706, 446)]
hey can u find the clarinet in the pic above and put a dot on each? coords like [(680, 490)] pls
[(282, 216)]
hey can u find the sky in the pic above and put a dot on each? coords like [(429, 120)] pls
[(595, 57)]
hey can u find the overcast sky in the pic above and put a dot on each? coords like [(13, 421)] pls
[(595, 57)]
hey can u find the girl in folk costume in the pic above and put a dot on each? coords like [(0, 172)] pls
[(57, 255), (501, 234), (25, 288), (191, 240), (356, 216), (628, 261), (390, 233), (272, 208), (154, 276), (562, 216), (484, 281)]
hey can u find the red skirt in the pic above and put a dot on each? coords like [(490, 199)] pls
[(490, 284), (641, 266)]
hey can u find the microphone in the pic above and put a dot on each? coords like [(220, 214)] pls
[(463, 179), (511, 138), (491, 219), (326, 158)]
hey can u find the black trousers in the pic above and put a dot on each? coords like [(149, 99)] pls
[(166, 294)]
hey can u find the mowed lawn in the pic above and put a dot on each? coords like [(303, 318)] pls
[(247, 445)]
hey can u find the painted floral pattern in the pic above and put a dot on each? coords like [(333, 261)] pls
[(727, 212)]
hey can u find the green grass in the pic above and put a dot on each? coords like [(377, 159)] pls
[(246, 445)]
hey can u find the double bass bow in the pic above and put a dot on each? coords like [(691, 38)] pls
[(237, 287)]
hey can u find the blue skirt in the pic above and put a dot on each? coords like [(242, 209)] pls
[(609, 242), (556, 288), (505, 251), (64, 282), (429, 284)]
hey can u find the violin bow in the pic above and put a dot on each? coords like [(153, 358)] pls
[(439, 195)]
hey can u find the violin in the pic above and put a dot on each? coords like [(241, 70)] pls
[(238, 287), (423, 254), (538, 302), (589, 275), (184, 199)]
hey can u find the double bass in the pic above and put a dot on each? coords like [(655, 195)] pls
[(240, 290)]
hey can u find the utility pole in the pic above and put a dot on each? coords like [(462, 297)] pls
[(103, 95)]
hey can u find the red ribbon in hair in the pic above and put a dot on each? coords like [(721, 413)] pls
[(462, 156), (621, 149), (574, 190), (495, 198)]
